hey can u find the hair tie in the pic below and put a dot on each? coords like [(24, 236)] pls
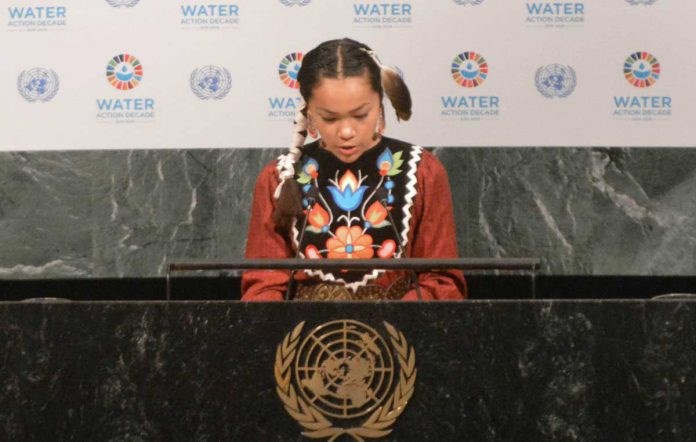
[(374, 57)]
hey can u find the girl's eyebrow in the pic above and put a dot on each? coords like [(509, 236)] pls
[(329, 112)]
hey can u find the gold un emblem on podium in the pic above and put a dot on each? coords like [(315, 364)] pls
[(344, 378)]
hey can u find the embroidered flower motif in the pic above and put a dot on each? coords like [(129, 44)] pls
[(375, 215), (388, 163), (384, 162), (311, 252), (311, 167), (309, 171), (318, 218), (350, 243), (387, 249), (347, 193)]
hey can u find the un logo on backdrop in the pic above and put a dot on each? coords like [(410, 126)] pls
[(295, 2), (641, 69), (468, 2), (288, 69), (555, 80), (124, 72), (122, 3), (38, 84), (641, 2), (469, 69), (210, 82)]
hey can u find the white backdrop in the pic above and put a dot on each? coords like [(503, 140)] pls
[(210, 70)]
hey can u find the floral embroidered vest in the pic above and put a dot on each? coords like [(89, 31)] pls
[(347, 206)]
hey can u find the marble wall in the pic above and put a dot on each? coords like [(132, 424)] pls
[(584, 211)]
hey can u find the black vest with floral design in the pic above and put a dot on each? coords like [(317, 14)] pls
[(347, 206)]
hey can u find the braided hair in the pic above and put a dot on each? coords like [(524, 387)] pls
[(336, 59)]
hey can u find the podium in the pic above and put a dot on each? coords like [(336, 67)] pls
[(445, 371)]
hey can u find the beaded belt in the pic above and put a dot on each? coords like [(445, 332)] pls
[(325, 291)]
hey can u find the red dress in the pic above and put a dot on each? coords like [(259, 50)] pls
[(432, 234)]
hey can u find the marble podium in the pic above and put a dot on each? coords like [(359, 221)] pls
[(484, 370)]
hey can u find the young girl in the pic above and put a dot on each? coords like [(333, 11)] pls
[(353, 193)]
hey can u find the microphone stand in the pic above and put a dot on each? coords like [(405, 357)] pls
[(413, 276), (311, 203)]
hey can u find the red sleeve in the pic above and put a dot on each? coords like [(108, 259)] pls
[(433, 232), (263, 241)]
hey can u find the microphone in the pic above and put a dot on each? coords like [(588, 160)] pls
[(310, 199), (312, 195), (382, 196)]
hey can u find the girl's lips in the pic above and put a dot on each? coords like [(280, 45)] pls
[(347, 149)]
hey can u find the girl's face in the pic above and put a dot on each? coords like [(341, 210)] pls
[(346, 114)]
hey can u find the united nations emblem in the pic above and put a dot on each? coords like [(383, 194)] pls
[(641, 2), (343, 378), (468, 2), (555, 80), (122, 3), (38, 84), (210, 82), (295, 2)]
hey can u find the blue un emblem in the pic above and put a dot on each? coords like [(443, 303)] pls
[(295, 2), (641, 2), (122, 3), (555, 80), (468, 2), (38, 84), (210, 82)]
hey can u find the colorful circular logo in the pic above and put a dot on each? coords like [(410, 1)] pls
[(124, 72), (288, 68), (641, 69), (469, 69)]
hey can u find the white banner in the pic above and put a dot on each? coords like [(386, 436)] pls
[(129, 74)]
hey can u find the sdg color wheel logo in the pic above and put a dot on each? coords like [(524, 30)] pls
[(288, 69), (210, 82), (124, 72), (122, 3), (555, 80), (38, 84), (641, 69), (469, 69)]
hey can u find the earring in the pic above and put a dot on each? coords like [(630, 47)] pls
[(310, 128), (379, 129)]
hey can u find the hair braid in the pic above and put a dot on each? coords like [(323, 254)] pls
[(394, 86), (287, 194)]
